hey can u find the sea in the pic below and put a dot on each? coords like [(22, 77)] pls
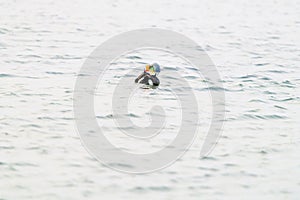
[(255, 47)]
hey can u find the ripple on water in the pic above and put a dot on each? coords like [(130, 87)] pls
[(257, 101), (214, 88), (7, 76), (109, 116), (262, 117), (280, 107), (276, 71), (120, 165), (54, 73), (160, 188), (134, 57), (151, 188), (286, 99)]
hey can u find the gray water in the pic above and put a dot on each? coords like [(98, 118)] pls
[(255, 46)]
